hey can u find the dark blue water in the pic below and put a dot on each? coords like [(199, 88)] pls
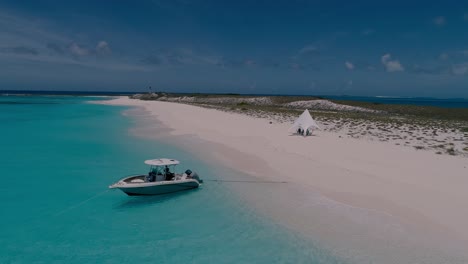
[(445, 103), (422, 101), (71, 93)]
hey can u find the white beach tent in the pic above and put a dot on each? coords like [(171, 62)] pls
[(304, 122)]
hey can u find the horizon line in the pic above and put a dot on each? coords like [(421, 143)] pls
[(83, 92)]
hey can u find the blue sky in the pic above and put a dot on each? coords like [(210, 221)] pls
[(399, 48)]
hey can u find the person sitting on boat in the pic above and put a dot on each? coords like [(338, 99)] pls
[(169, 174), (151, 176)]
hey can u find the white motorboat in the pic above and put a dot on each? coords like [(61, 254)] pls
[(161, 179)]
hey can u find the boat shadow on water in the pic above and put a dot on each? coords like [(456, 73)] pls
[(143, 201)]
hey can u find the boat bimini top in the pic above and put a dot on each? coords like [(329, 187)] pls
[(162, 162)]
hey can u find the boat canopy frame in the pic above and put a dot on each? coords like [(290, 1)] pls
[(162, 166), (158, 169)]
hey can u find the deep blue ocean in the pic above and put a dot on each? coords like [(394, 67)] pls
[(58, 156), (421, 101)]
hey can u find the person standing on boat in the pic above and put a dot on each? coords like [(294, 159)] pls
[(169, 174)]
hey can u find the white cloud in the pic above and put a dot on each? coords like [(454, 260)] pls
[(249, 62), (26, 31), (349, 65), (33, 39), (385, 58), (308, 49), (103, 47), (187, 56), (460, 69), (439, 21), (443, 56), (391, 65), (76, 50)]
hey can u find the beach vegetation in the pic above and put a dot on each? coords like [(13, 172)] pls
[(451, 151), (426, 125)]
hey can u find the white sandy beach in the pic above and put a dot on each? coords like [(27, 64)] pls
[(419, 188)]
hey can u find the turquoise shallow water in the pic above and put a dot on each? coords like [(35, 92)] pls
[(59, 154)]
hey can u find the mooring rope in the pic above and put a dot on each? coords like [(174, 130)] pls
[(246, 181), (80, 203), (212, 180)]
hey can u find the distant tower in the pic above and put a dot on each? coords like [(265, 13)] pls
[(149, 90)]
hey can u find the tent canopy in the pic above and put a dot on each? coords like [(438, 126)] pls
[(304, 122)]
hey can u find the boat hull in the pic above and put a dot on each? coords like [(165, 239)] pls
[(159, 188)]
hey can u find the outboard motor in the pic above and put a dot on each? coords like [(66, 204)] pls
[(193, 175)]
